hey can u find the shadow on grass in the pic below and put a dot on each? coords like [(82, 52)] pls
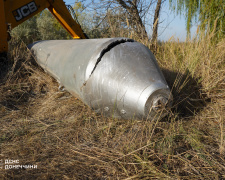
[(188, 97), (4, 67)]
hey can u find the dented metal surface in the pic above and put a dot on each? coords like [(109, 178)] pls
[(117, 77)]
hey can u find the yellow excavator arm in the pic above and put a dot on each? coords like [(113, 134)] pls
[(14, 12)]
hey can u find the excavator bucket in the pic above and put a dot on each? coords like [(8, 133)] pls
[(116, 77)]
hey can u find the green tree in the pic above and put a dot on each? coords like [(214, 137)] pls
[(135, 16), (83, 17), (27, 31), (44, 26), (50, 28), (209, 13)]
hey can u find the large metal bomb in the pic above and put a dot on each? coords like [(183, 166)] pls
[(117, 77)]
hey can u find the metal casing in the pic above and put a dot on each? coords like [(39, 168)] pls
[(117, 77)]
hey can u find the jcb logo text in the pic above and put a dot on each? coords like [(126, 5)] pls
[(25, 11)]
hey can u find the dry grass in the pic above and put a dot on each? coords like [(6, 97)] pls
[(57, 132)]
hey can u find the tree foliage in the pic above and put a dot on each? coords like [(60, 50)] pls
[(44, 26), (117, 18), (209, 13), (135, 18)]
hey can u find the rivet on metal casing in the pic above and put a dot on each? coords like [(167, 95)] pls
[(61, 88), (106, 109), (123, 111)]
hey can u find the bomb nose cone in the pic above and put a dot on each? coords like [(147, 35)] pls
[(156, 103), (117, 77), (159, 103), (129, 79)]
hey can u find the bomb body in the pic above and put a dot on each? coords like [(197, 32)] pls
[(117, 77)]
